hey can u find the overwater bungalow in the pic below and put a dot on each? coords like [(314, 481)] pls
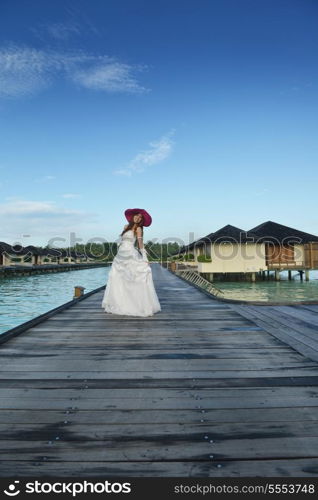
[(50, 256), (16, 255), (233, 253), (13, 255), (4, 250)]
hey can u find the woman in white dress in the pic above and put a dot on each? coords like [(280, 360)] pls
[(130, 290)]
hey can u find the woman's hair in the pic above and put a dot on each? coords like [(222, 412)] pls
[(131, 225)]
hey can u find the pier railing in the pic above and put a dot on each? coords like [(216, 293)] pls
[(198, 280)]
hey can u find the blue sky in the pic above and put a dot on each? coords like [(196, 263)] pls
[(204, 113)]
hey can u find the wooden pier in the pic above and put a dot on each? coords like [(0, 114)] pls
[(203, 388), (23, 270)]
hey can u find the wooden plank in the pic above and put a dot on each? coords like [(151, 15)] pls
[(162, 351), (284, 326), (296, 340), (176, 327), (312, 308), (153, 365), (305, 328), (156, 403), (245, 394), (201, 383), (136, 354), (175, 416), (301, 314), (153, 336), (132, 375), (135, 345), (162, 448), (152, 339), (300, 467), (150, 430)]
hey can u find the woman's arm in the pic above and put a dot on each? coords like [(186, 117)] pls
[(140, 240), (141, 245)]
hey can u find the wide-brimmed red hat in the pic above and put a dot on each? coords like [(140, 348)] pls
[(130, 212)]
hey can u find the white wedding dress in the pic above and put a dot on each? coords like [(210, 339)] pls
[(130, 290)]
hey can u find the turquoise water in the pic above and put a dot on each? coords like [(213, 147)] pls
[(25, 297), (273, 291)]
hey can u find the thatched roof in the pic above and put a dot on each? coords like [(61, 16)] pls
[(227, 234), (196, 243), (32, 250), (60, 252), (19, 250), (51, 252), (232, 234), (4, 247), (278, 233)]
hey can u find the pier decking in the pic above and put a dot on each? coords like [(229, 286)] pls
[(202, 388)]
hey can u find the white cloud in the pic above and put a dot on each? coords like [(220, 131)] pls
[(71, 195), (159, 150), (25, 71), (109, 76), (57, 31), (33, 208), (63, 31), (43, 219)]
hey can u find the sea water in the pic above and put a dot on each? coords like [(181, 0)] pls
[(25, 297), (273, 291)]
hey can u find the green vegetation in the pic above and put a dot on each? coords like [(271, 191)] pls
[(161, 251), (204, 258), (99, 252), (188, 257), (105, 252)]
